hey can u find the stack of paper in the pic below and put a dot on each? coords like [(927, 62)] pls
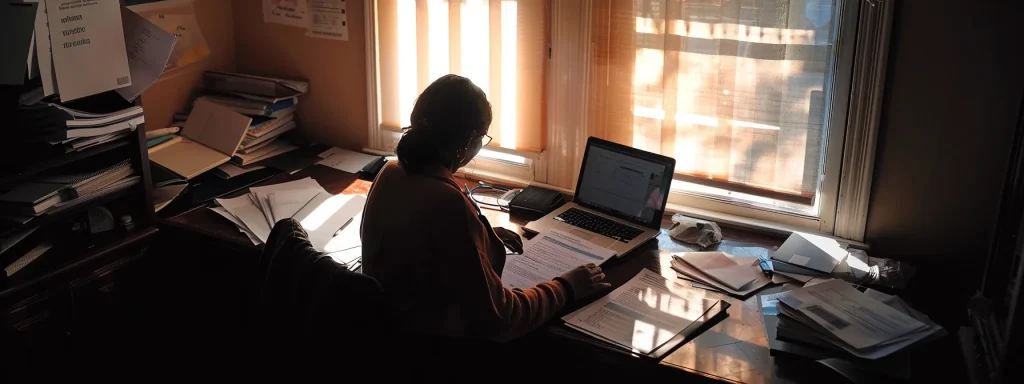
[(837, 316), (76, 129), (648, 315), (331, 221), (49, 194), (735, 275)]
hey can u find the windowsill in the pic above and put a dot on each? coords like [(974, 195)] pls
[(748, 224)]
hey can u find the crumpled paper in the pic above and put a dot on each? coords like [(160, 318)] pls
[(703, 233)]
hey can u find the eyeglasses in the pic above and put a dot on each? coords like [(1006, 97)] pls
[(484, 139)]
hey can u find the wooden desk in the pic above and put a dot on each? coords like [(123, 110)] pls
[(735, 349)]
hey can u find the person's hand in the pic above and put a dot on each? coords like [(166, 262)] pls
[(585, 280), (511, 239)]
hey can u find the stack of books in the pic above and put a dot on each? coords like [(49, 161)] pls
[(271, 103), (22, 202), (76, 129), (835, 316)]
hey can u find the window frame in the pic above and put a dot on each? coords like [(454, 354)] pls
[(862, 46)]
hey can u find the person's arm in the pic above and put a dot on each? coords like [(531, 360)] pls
[(490, 309)]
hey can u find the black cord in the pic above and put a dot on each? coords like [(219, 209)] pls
[(486, 186)]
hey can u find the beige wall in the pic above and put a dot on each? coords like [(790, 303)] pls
[(954, 86), (172, 91), (335, 109)]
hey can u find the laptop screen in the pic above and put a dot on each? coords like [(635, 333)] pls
[(625, 185)]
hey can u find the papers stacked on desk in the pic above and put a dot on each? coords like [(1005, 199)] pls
[(331, 221), (739, 276), (836, 316), (649, 315)]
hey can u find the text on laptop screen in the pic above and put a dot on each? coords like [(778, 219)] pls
[(625, 184)]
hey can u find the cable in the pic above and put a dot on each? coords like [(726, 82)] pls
[(487, 186)]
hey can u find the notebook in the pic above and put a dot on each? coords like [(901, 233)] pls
[(31, 198), (210, 137)]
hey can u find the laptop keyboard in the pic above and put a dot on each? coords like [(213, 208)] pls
[(597, 224)]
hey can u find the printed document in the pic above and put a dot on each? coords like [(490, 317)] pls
[(848, 314), (344, 160), (149, 48), (643, 314), (190, 46), (247, 213), (549, 255), (328, 19), (88, 47)]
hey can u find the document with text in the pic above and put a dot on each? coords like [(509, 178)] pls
[(88, 47), (836, 308), (549, 255), (646, 313)]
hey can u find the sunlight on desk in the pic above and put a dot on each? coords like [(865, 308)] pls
[(324, 211)]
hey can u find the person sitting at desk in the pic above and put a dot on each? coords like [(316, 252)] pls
[(427, 242)]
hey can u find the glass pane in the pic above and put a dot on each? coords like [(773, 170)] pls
[(736, 90)]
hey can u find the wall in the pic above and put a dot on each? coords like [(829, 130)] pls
[(953, 90), (171, 92), (335, 109)]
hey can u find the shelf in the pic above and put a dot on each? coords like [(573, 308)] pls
[(68, 266), (6, 229), (12, 174)]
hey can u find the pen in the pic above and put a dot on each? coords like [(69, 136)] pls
[(343, 226)]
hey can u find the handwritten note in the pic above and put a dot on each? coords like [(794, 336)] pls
[(287, 12)]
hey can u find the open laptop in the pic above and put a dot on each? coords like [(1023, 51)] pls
[(620, 197)]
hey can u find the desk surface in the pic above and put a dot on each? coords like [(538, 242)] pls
[(735, 349)]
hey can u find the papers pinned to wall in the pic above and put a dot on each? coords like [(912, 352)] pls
[(325, 19), (328, 20), (287, 12), (180, 21)]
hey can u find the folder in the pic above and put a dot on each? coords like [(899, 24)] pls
[(209, 139), (255, 87)]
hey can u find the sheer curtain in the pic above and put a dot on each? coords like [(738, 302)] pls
[(499, 44), (735, 90)]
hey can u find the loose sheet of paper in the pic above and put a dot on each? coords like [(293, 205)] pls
[(190, 46), (247, 213), (287, 12), (238, 223), (855, 318), (149, 47), (328, 19), (326, 214), (88, 47), (548, 256), (642, 314), (259, 194), (344, 160), (285, 204)]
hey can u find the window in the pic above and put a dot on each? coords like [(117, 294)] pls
[(500, 45), (753, 98)]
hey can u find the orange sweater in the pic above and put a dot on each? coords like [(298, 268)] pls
[(424, 241)]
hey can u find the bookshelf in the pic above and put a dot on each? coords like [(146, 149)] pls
[(42, 305)]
